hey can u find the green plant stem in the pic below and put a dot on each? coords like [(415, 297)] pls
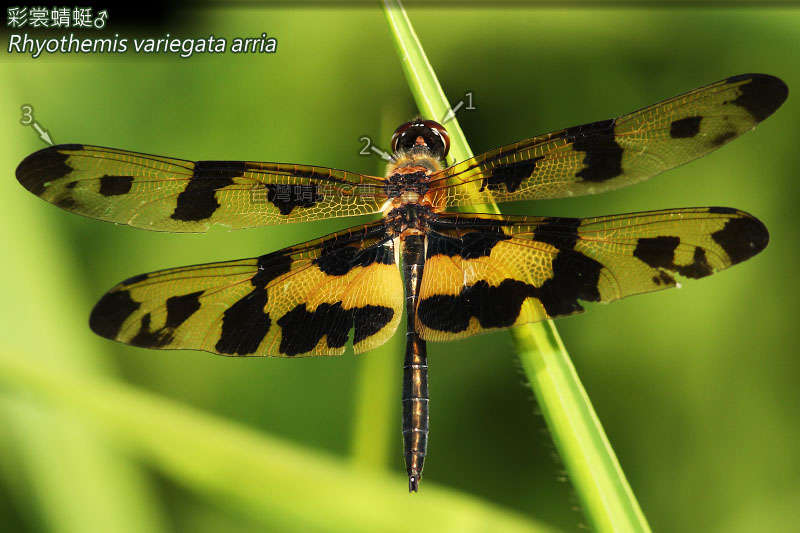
[(605, 495), (275, 483), (376, 402)]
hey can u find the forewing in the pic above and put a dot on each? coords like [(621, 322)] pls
[(613, 153), (166, 194), (299, 301), (485, 272)]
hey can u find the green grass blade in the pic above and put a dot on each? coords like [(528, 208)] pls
[(605, 495), (377, 398), (270, 481)]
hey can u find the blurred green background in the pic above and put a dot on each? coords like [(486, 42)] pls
[(696, 388)]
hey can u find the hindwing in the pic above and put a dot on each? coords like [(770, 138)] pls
[(486, 272), (302, 300)]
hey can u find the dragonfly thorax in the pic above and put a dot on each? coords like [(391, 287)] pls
[(408, 186), (408, 179), (411, 218)]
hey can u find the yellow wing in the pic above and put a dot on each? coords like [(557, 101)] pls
[(613, 153), (166, 194), (302, 300), (485, 272)]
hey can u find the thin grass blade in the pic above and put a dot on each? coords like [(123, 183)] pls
[(604, 492)]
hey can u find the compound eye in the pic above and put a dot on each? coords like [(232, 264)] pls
[(398, 133), (439, 130), (426, 132)]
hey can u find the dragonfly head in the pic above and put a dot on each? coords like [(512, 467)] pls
[(421, 134)]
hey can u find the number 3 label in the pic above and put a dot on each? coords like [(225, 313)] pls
[(27, 115)]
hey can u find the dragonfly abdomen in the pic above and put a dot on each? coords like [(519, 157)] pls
[(415, 367), (415, 407)]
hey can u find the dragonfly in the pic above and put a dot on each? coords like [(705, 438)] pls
[(453, 274)]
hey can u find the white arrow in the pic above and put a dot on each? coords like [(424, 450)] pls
[(42, 133), (451, 113), (381, 153)]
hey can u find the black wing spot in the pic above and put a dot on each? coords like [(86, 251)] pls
[(338, 261), (685, 128), (115, 185), (511, 175), (44, 166), (659, 252), (244, 324), (146, 338), (287, 197), (698, 268), (494, 307), (603, 159), (723, 210), (301, 330), (575, 276), (270, 267), (559, 232), (762, 96), (198, 200), (742, 238), (662, 278), (369, 320), (471, 245), (180, 308), (110, 312)]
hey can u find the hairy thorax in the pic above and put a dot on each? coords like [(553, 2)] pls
[(410, 204)]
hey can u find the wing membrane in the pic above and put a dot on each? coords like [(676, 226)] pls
[(302, 300), (485, 272), (166, 194), (613, 153)]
